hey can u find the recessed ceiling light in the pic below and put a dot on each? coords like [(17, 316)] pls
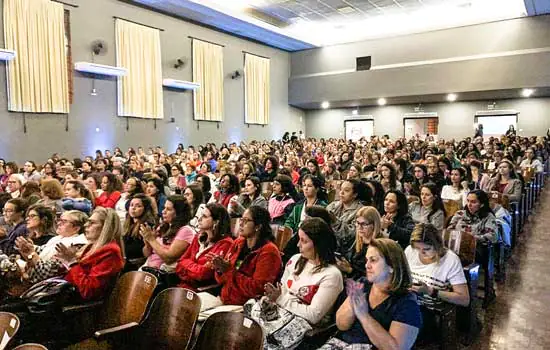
[(452, 97), (346, 9), (355, 112), (325, 105), (381, 101), (527, 92)]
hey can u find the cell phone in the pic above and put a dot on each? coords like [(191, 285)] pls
[(338, 255)]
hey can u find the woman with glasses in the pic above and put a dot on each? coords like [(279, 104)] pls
[(14, 215), (41, 259), (194, 268), (176, 181), (251, 262), (94, 268), (367, 227), (40, 224), (165, 245)]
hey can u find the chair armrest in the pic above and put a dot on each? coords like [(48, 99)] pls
[(100, 335), (82, 307), (207, 288)]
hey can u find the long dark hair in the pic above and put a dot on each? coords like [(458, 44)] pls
[(234, 186), (393, 174), (378, 194), (183, 216), (322, 236), (402, 203), (149, 215), (484, 208), (318, 184), (223, 226), (364, 192), (260, 217), (438, 202), (198, 196), (256, 181), (206, 186)]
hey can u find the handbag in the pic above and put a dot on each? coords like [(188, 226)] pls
[(49, 295)]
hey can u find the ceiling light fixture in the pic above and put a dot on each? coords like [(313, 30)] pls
[(527, 92), (382, 101), (355, 112), (452, 97), (325, 105)]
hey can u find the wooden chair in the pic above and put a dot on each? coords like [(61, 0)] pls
[(171, 321), (451, 207), (9, 325), (31, 346), (464, 245), (282, 237), (229, 331)]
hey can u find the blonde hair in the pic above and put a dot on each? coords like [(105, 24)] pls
[(429, 235), (110, 232), (79, 218), (371, 215)]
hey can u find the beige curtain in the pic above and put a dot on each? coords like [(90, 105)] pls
[(256, 85), (208, 72), (138, 50), (37, 77)]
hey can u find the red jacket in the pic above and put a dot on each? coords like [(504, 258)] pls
[(259, 267), (107, 200), (192, 270), (94, 274)]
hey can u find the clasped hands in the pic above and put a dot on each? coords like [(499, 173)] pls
[(217, 262), (357, 298)]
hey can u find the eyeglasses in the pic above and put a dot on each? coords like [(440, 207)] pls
[(32, 216), (8, 210), (63, 222), (363, 224), (245, 221)]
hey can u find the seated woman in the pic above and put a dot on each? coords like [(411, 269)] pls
[(506, 181), (430, 209), (154, 188), (388, 178), (281, 202), (194, 268), (51, 192), (206, 185), (420, 177), (41, 260), (270, 169), (436, 271), (140, 212), (14, 216), (367, 227), (252, 196), (77, 197), (313, 195), (353, 195), (40, 224), (111, 186), (458, 189), (194, 196), (95, 267), (308, 289), (132, 186), (354, 172), (437, 275), (396, 223), (177, 180), (229, 190), (479, 178), (477, 218), (530, 161), (379, 310), (252, 261), (167, 244)]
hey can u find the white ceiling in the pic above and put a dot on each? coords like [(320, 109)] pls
[(328, 22)]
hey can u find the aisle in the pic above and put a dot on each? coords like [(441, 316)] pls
[(520, 317)]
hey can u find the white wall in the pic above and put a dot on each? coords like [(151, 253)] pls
[(455, 119)]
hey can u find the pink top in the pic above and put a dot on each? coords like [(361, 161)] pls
[(277, 208), (186, 233)]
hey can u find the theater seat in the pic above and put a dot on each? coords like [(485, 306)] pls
[(9, 325), (229, 331), (31, 346)]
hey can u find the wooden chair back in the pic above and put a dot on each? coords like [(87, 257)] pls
[(451, 207), (31, 346), (500, 198), (128, 301), (462, 243), (267, 189), (282, 237), (229, 331), (528, 174), (9, 325), (171, 321)]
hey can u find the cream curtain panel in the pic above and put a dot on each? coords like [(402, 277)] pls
[(138, 50), (256, 84), (37, 77), (208, 72)]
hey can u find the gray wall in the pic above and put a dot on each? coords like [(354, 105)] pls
[(455, 119), (329, 73), (92, 20)]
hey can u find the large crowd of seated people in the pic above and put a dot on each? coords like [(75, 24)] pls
[(366, 223)]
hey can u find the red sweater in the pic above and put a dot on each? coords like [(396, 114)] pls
[(94, 274), (247, 281), (107, 200), (192, 270)]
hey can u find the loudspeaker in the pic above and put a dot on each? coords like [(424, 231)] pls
[(363, 63)]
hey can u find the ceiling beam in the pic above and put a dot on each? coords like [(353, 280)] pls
[(537, 7)]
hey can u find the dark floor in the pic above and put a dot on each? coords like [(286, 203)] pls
[(520, 317)]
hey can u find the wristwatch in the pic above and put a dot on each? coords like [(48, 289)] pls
[(31, 255)]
